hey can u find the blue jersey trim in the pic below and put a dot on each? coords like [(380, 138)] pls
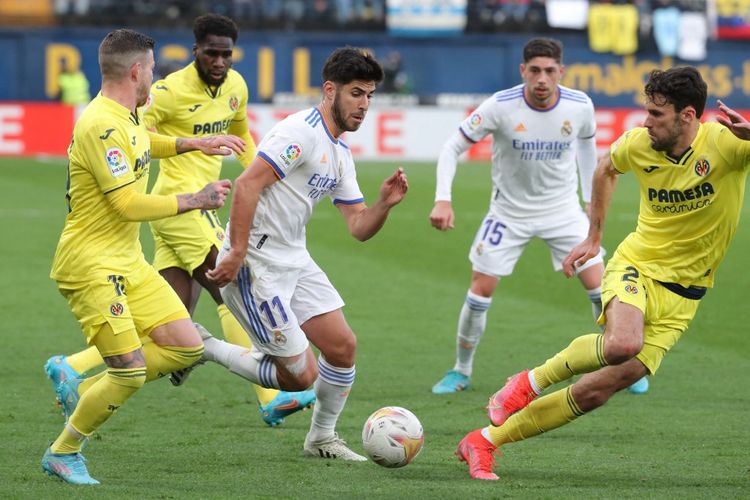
[(466, 136), (338, 201), (545, 110), (509, 95), (276, 168), (315, 118), (573, 95)]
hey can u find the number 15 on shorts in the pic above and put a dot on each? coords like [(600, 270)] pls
[(493, 231)]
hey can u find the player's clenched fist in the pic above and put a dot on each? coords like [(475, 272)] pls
[(442, 216)]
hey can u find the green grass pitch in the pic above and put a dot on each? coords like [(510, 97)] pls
[(688, 437)]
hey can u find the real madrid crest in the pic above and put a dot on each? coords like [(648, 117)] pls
[(279, 338), (566, 128)]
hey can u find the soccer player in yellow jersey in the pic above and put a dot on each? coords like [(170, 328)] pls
[(692, 182), (99, 266), (204, 98)]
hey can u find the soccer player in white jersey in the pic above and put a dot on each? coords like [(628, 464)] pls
[(270, 282), (541, 131)]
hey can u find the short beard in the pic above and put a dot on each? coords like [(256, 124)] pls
[(338, 117), (669, 143), (207, 79)]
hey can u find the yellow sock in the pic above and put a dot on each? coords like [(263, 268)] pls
[(163, 360), (584, 354), (88, 382), (233, 331), (99, 402), (69, 441), (235, 334), (85, 360), (542, 415)]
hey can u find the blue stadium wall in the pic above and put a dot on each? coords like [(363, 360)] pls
[(290, 62)]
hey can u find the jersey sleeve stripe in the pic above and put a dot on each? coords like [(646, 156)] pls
[(466, 136), (338, 201), (118, 187), (263, 156)]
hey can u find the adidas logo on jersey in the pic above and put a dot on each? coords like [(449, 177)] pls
[(324, 158), (520, 128)]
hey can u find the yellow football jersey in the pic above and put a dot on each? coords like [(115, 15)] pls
[(182, 105), (690, 206), (110, 149)]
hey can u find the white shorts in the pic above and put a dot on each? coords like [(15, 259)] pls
[(500, 242), (271, 303)]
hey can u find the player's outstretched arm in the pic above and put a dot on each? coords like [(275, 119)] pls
[(133, 206), (165, 146), (221, 145), (210, 197), (247, 189), (734, 121), (603, 186), (363, 221)]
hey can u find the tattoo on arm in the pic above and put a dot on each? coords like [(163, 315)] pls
[(190, 201)]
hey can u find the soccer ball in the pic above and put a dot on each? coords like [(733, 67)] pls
[(392, 436)]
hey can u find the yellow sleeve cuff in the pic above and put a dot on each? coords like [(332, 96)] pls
[(162, 146), (133, 206), (239, 129)]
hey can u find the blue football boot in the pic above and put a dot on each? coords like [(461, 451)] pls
[(452, 382), (67, 394), (640, 387), (58, 370), (284, 404), (71, 467)]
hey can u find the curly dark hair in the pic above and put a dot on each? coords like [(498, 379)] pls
[(214, 24), (543, 47), (682, 87), (347, 64)]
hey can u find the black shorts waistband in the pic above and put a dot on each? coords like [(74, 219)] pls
[(691, 292)]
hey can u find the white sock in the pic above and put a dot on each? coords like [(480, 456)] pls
[(249, 364), (331, 392), (471, 325), (532, 381), (595, 296)]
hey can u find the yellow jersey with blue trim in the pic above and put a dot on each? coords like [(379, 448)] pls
[(110, 149), (183, 105), (689, 206)]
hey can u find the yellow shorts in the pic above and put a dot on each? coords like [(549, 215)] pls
[(184, 240), (133, 305), (666, 315)]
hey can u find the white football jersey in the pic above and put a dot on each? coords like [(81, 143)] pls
[(311, 165), (534, 171)]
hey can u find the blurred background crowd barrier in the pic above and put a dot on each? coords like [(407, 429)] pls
[(439, 56)]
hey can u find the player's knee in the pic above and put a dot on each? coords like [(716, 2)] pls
[(343, 351), (620, 350)]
